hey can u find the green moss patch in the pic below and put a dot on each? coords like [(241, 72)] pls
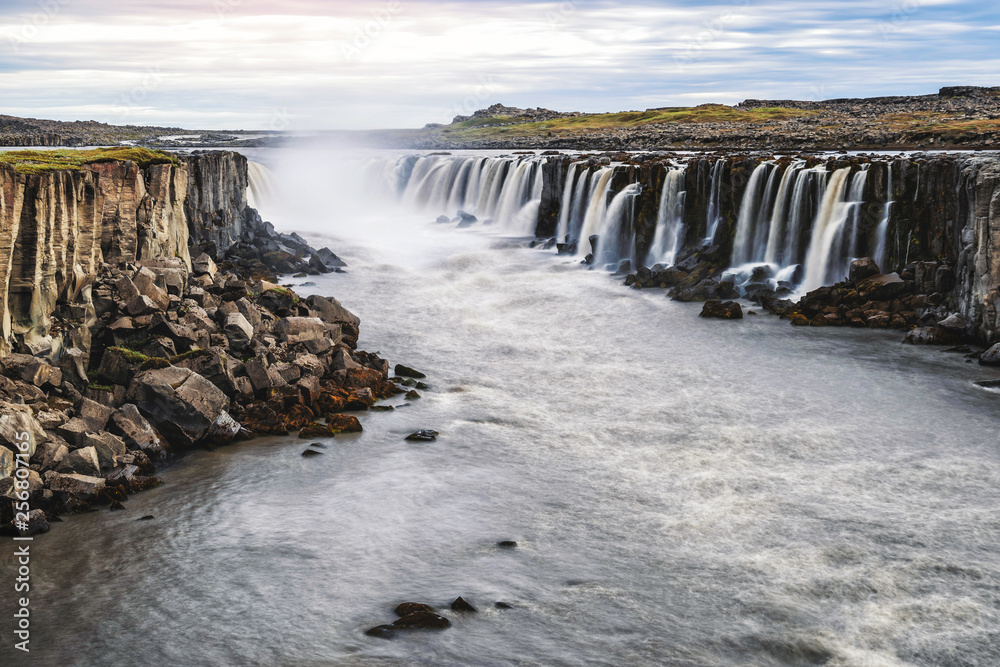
[(38, 162)]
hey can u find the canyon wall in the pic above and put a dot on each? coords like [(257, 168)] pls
[(59, 229)]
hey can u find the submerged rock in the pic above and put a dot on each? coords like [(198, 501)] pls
[(407, 608), (406, 371), (423, 436), (422, 620)]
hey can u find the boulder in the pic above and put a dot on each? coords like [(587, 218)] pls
[(16, 420), (204, 265), (954, 323), (109, 447), (864, 268), (294, 330), (49, 455), (991, 357), (115, 366), (74, 430), (330, 310), (32, 370), (212, 365), (94, 414), (184, 406), (423, 436), (141, 305), (79, 485), (460, 604), (239, 332), (407, 608), (82, 461), (145, 281), (139, 433), (726, 310), (406, 371), (885, 287), (930, 336), (257, 370), (422, 620)]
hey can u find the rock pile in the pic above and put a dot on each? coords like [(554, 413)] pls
[(170, 360)]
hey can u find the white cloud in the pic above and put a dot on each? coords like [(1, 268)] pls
[(427, 59)]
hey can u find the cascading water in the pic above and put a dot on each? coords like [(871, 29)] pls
[(670, 220), (882, 232), (260, 185), (714, 202), (616, 235), (783, 201), (752, 212), (566, 212), (821, 262), (597, 208)]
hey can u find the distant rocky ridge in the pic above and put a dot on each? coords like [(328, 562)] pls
[(956, 117), (141, 318), (27, 132)]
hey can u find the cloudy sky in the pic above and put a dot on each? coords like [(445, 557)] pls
[(298, 64)]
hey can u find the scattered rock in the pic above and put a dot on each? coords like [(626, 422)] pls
[(864, 268), (311, 452), (507, 544), (407, 608), (991, 357), (406, 371), (460, 604), (422, 620), (503, 605), (382, 631), (423, 436)]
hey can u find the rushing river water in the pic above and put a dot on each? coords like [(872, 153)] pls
[(683, 492)]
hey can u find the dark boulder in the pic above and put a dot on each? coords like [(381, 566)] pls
[(406, 371), (423, 436), (460, 604), (864, 268), (991, 357), (407, 608), (422, 620), (728, 310)]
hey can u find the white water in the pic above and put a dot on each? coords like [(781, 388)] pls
[(777, 227), (882, 233), (670, 220), (714, 205), (566, 212), (684, 492), (616, 236), (596, 209), (752, 210), (833, 213)]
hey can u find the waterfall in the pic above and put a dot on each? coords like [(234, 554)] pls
[(802, 206), (821, 262), (597, 208), (670, 220), (882, 232), (261, 186), (714, 202), (772, 253), (566, 211), (750, 213), (616, 234)]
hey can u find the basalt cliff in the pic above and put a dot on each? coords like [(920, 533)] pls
[(141, 318)]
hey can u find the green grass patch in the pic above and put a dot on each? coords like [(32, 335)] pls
[(708, 113), (39, 162)]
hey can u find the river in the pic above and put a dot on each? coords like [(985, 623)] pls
[(682, 491)]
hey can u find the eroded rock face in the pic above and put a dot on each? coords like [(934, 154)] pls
[(183, 405)]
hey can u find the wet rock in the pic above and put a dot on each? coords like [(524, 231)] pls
[(422, 620), (139, 433), (148, 517), (85, 486), (311, 452), (702, 291), (423, 436), (864, 268), (503, 605), (507, 544), (728, 310), (460, 604), (381, 631), (406, 371), (407, 608), (931, 336), (991, 357), (412, 396), (343, 424), (954, 323)]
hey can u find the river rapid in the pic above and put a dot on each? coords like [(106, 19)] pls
[(682, 491)]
